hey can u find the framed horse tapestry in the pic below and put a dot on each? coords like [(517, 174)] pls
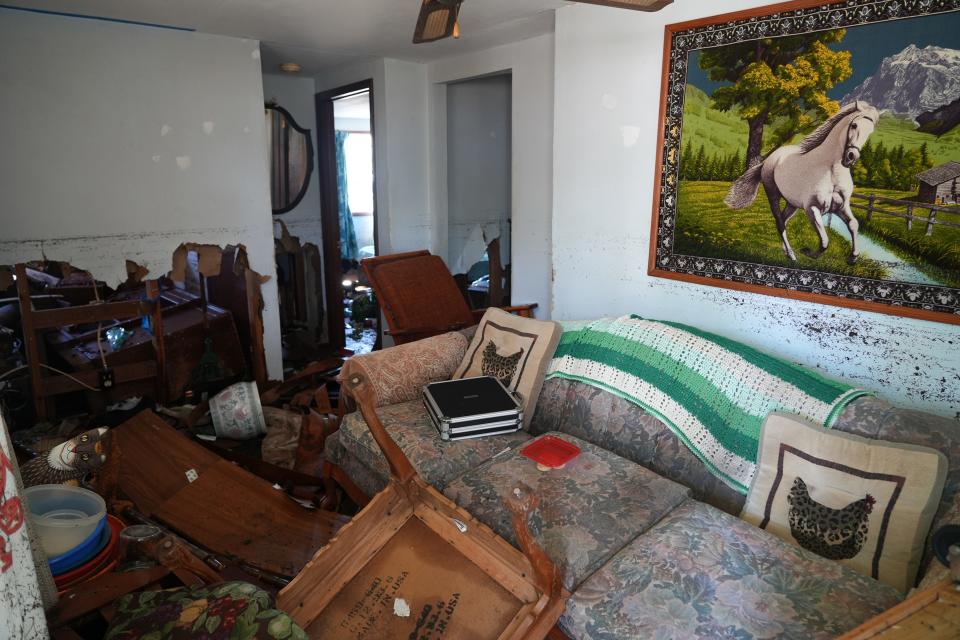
[(811, 150)]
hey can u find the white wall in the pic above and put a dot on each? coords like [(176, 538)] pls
[(531, 63), (400, 148), (123, 141), (478, 169), (607, 100), (296, 95)]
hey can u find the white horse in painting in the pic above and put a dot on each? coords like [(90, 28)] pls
[(813, 175)]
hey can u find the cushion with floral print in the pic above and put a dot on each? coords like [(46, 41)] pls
[(227, 611)]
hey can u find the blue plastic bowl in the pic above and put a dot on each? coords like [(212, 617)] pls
[(90, 547)]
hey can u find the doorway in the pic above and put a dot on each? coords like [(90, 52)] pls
[(479, 187), (345, 137)]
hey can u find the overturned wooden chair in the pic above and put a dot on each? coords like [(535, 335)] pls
[(414, 564), (420, 298)]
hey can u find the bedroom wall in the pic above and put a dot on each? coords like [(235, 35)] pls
[(122, 142), (608, 66)]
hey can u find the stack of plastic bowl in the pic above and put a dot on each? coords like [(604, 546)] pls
[(73, 528)]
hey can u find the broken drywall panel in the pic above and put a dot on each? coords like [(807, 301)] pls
[(305, 230), (208, 260)]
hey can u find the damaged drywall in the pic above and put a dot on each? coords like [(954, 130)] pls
[(99, 183)]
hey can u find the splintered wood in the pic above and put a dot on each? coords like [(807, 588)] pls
[(447, 595), (215, 503)]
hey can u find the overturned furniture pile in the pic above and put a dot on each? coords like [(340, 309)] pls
[(168, 339), (413, 564)]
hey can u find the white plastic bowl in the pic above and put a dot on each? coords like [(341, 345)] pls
[(63, 516)]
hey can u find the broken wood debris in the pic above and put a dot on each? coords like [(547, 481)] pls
[(224, 508)]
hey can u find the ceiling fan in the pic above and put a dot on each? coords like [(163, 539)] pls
[(438, 18)]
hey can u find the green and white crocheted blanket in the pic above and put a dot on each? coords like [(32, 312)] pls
[(712, 392)]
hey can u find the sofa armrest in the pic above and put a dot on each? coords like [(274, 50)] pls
[(399, 373)]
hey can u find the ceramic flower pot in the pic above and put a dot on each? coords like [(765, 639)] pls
[(236, 412)]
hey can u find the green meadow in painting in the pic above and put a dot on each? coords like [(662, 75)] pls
[(836, 151)]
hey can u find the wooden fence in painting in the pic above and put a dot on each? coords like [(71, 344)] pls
[(880, 205)]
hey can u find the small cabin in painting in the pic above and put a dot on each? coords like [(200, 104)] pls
[(939, 184)]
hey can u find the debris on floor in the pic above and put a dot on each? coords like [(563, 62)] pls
[(153, 398)]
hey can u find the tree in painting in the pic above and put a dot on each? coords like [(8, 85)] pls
[(784, 79)]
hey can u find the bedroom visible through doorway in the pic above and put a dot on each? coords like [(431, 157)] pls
[(346, 135)]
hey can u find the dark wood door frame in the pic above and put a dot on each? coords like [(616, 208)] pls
[(329, 202)]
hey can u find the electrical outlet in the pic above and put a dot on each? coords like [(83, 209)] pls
[(106, 379)]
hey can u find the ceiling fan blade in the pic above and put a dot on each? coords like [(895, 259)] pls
[(636, 5), (437, 20)]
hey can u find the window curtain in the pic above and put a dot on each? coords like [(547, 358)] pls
[(348, 234)]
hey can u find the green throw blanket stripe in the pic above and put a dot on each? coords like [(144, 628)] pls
[(708, 407), (669, 369), (815, 385), (663, 418)]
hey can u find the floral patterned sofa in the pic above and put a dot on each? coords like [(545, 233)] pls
[(647, 539)]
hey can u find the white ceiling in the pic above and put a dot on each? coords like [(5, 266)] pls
[(324, 33)]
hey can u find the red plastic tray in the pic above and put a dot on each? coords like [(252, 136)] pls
[(551, 451)]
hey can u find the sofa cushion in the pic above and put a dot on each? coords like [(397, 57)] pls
[(589, 509), (514, 350), (408, 423), (863, 502), (620, 426), (702, 573)]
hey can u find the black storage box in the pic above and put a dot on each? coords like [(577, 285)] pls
[(472, 407)]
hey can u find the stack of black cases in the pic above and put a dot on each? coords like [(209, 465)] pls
[(472, 407)]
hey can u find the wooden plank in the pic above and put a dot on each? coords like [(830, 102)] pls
[(330, 569), (232, 512), (50, 318), (98, 592), (155, 459), (494, 555), (225, 508)]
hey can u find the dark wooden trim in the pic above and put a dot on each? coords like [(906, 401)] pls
[(329, 203), (655, 6), (310, 164), (659, 166)]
